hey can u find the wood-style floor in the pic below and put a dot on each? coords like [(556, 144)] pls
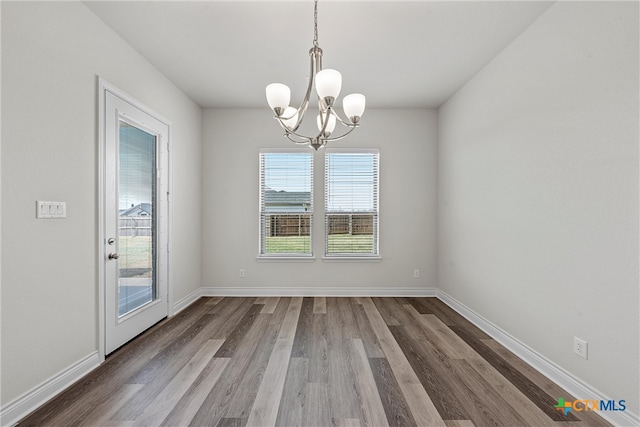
[(313, 362)]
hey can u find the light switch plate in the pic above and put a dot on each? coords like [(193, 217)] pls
[(49, 210)]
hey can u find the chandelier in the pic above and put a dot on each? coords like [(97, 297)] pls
[(327, 84)]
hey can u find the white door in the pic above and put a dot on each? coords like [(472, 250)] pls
[(135, 219)]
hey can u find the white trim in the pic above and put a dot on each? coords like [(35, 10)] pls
[(282, 150), (185, 302), (170, 304), (343, 291), (33, 399), (166, 265), (131, 100), (359, 150), (546, 367), (30, 401), (276, 258), (102, 85), (356, 258)]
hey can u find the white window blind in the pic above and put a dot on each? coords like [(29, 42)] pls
[(351, 202), (286, 203)]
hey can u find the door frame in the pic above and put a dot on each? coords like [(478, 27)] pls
[(103, 88)]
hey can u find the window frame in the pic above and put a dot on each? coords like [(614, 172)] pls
[(284, 256), (346, 256)]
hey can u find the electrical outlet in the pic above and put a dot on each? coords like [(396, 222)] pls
[(580, 347), (241, 272), (416, 273)]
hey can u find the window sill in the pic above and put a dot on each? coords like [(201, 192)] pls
[(351, 258), (285, 258)]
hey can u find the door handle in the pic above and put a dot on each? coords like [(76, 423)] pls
[(113, 256)]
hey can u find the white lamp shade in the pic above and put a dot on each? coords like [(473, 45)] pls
[(278, 95), (328, 83), (353, 105), (330, 126), (290, 112)]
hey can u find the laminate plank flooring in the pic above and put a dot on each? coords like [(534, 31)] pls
[(164, 402), (394, 404), (320, 305), (422, 408), (265, 407), (188, 406), (317, 361), (294, 396), (319, 358), (432, 375), (371, 409)]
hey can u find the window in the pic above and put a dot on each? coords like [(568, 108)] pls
[(351, 202), (286, 203)]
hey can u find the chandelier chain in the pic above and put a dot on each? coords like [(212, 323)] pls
[(315, 23)]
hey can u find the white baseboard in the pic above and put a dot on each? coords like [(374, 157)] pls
[(33, 399), (549, 369), (342, 291), (186, 301), (36, 397)]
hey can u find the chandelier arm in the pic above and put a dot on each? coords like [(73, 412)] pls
[(288, 135), (315, 65), (281, 123), (288, 132), (292, 132), (322, 106), (324, 122), (344, 122), (281, 118), (337, 138)]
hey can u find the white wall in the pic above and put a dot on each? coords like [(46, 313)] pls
[(52, 53), (407, 143), (538, 192)]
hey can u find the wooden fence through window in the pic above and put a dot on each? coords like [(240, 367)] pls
[(133, 226), (351, 224), (283, 225), (288, 225)]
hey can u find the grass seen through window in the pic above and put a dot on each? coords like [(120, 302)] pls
[(338, 243)]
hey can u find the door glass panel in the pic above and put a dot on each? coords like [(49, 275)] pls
[(136, 219)]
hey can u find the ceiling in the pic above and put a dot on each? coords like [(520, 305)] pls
[(400, 54)]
